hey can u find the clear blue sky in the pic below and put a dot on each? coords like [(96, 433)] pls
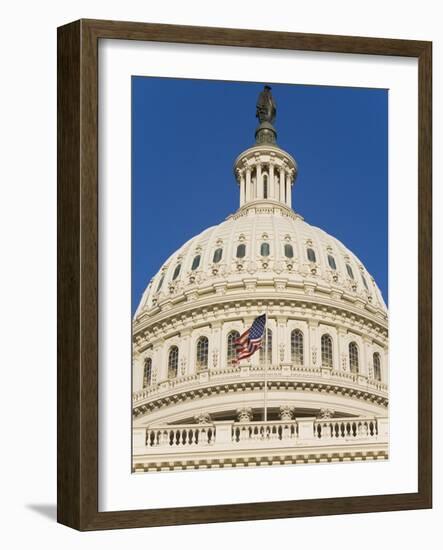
[(187, 133)]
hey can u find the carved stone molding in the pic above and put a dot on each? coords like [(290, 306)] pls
[(326, 414), (244, 414), (286, 412), (202, 418)]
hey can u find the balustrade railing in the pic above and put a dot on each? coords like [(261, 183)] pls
[(192, 435), (360, 428), (251, 371), (230, 434), (262, 431)]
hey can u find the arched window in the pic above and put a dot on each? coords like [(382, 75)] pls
[(162, 278), (241, 251), (265, 186), (217, 255), (297, 347), (173, 362), (147, 372), (353, 357), (377, 366), (266, 357), (195, 262), (349, 270), (231, 349), (265, 249), (331, 262), (202, 353), (289, 251), (326, 351), (176, 272), (311, 255)]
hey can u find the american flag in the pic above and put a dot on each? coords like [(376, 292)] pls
[(251, 340)]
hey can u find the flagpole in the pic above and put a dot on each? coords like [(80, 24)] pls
[(265, 393)]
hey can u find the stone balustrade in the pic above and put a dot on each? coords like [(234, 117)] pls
[(236, 435), (348, 429), (181, 436), (264, 431), (248, 373)]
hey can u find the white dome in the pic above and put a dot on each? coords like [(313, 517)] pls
[(336, 270)]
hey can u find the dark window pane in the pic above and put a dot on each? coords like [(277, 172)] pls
[(297, 347), (231, 354), (331, 262), (147, 372), (176, 272), (365, 282), (195, 262), (162, 278), (326, 351), (265, 249), (173, 362), (353, 357), (217, 255), (349, 270), (241, 251), (311, 255), (202, 352), (377, 366), (289, 251)]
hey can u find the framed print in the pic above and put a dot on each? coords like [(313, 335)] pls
[(244, 275)]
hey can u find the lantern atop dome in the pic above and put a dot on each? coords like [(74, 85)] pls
[(265, 172)]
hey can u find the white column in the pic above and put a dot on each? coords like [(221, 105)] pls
[(242, 187), (271, 183), (282, 184), (288, 189), (259, 182), (248, 184)]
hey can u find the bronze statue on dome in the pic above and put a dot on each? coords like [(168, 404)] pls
[(266, 106)]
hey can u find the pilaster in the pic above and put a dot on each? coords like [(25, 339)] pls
[(313, 352)]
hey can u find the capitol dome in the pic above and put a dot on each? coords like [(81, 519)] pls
[(324, 369), (264, 240)]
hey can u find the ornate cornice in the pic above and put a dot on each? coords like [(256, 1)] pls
[(268, 206), (265, 458), (165, 323), (343, 386)]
